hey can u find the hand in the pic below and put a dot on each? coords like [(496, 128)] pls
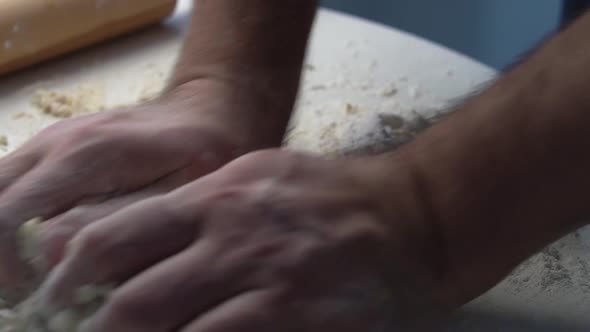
[(274, 241), (84, 169)]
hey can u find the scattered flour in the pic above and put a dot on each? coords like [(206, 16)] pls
[(551, 270), (352, 109)]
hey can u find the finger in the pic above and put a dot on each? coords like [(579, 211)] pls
[(14, 166), (45, 191), (250, 312), (271, 310), (15, 274), (119, 246), (41, 193), (57, 232), (190, 283)]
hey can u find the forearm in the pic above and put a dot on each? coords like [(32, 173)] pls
[(256, 46), (508, 172)]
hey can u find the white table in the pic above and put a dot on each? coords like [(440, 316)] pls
[(353, 65)]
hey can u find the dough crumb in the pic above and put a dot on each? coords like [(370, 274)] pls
[(22, 115), (317, 87), (352, 110), (389, 91), (414, 92), (66, 104), (309, 67), (392, 121)]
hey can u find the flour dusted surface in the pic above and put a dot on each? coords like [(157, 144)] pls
[(329, 86)]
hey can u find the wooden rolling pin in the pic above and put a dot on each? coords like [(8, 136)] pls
[(32, 31)]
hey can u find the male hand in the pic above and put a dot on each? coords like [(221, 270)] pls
[(274, 241), (84, 169)]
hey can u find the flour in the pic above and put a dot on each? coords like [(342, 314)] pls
[(554, 268)]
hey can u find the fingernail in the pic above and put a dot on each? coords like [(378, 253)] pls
[(30, 241), (71, 247)]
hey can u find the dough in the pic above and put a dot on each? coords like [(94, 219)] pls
[(60, 104), (28, 316)]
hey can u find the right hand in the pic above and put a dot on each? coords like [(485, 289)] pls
[(84, 169), (273, 241)]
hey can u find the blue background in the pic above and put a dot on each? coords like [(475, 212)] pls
[(495, 32)]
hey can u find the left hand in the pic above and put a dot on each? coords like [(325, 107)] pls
[(85, 169), (275, 241)]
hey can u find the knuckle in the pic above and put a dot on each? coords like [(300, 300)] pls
[(63, 130), (305, 256), (362, 235), (125, 309), (270, 156), (124, 303), (254, 160), (70, 134), (89, 242), (65, 226), (181, 213), (278, 164), (57, 235), (53, 245), (55, 129), (72, 218)]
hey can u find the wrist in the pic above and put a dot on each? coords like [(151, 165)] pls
[(500, 183), (243, 113), (400, 196)]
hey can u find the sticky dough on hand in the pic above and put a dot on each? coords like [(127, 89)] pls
[(29, 316)]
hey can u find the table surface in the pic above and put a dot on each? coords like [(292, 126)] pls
[(356, 73)]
